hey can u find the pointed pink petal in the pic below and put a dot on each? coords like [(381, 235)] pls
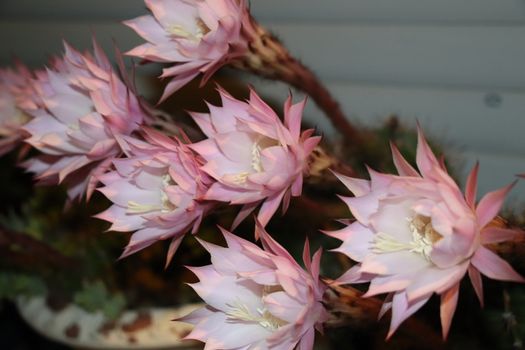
[(449, 301), (306, 255), (358, 187), (246, 210), (477, 283), (491, 235), (494, 267), (471, 189), (270, 244), (490, 205), (354, 275), (387, 305), (293, 116), (425, 158), (401, 310), (312, 264), (174, 245), (269, 208), (403, 167), (307, 340)]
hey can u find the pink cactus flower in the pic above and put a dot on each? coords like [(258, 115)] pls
[(254, 157), (417, 234), (81, 106), (155, 192), (257, 299), (14, 84), (199, 36)]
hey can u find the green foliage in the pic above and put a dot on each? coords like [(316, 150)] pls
[(507, 324), (14, 285), (95, 296)]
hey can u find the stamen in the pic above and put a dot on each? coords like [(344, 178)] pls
[(256, 158), (137, 208), (241, 178), (167, 205), (73, 127), (385, 243), (241, 312), (180, 31), (423, 238), (423, 235)]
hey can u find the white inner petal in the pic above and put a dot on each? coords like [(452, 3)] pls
[(256, 165), (423, 238), (165, 205)]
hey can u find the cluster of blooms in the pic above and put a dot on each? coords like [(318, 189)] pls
[(80, 107), (415, 233), (164, 186)]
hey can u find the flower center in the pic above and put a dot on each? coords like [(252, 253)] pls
[(13, 120), (241, 312), (165, 206), (200, 31), (423, 238), (256, 165), (256, 158)]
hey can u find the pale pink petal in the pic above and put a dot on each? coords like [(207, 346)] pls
[(477, 283), (402, 309), (425, 158), (494, 267), (490, 205), (493, 234), (449, 301), (269, 207), (403, 167), (357, 240), (387, 305), (358, 187), (245, 211), (471, 188)]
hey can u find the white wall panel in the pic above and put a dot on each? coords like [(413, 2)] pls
[(496, 171), (483, 57), (297, 10), (392, 10)]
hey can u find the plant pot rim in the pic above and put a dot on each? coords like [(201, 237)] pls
[(75, 327)]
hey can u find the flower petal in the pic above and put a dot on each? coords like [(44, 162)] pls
[(449, 301), (494, 267)]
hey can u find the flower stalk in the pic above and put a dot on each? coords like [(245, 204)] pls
[(267, 57)]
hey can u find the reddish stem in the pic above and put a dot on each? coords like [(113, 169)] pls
[(268, 58)]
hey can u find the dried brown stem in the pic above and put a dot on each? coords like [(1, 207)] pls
[(512, 251), (268, 58), (348, 308), (320, 166)]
